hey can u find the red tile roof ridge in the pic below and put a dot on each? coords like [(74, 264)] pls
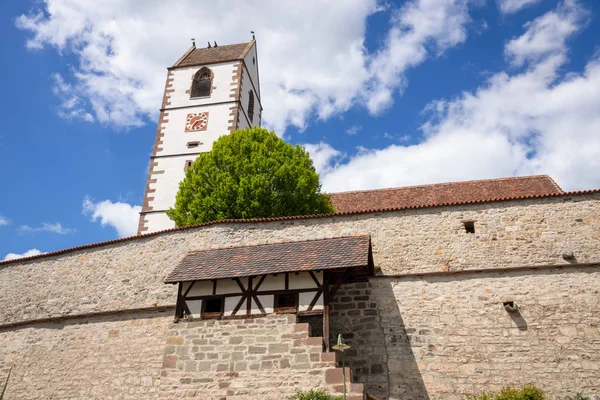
[(559, 190), (295, 217)]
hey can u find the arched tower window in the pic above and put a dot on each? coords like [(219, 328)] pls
[(251, 106), (202, 83)]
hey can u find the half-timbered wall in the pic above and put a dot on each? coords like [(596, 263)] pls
[(242, 299)]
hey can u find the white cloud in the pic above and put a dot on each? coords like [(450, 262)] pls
[(419, 28), (322, 155), (71, 106), (28, 253), (4, 221), (308, 67), (46, 227), (512, 6), (547, 34), (534, 121), (121, 216), (354, 129)]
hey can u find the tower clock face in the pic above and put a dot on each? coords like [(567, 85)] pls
[(196, 122)]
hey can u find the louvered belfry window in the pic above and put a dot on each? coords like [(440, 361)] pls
[(202, 83), (251, 106)]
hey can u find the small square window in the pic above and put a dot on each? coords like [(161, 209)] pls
[(188, 164), (192, 145), (469, 226), (212, 307), (286, 302)]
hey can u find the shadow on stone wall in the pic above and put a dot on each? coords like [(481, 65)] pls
[(381, 357)]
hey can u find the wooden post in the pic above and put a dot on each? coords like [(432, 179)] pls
[(326, 310), (179, 303)]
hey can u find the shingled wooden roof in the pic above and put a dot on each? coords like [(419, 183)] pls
[(444, 193), (238, 262), (201, 56)]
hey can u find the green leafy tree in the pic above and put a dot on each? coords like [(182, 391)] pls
[(250, 173)]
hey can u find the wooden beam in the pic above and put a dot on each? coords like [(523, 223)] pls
[(265, 293), (247, 294), (287, 281), (214, 281), (188, 289), (262, 278), (326, 310), (312, 275), (260, 307), (178, 303), (314, 300), (240, 285), (341, 278), (237, 306)]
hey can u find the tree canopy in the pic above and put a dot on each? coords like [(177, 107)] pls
[(250, 173)]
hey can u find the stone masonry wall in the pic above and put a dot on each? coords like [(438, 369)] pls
[(435, 336), (265, 358), (112, 357), (129, 274), (443, 336)]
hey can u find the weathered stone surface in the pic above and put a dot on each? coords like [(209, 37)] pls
[(442, 337), (81, 360), (271, 373), (129, 274), (431, 337)]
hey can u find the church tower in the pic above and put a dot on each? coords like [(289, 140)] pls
[(209, 92)]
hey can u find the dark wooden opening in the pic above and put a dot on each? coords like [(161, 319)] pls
[(315, 324), (212, 307), (286, 303)]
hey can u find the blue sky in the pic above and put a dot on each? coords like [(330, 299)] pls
[(381, 93)]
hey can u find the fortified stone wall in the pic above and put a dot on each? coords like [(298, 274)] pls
[(440, 337), (112, 357), (129, 274), (433, 335)]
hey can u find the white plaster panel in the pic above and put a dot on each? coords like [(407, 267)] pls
[(175, 137), (306, 298), (267, 303), (182, 83), (201, 288), (252, 68), (195, 307), (273, 283), (158, 221), (226, 286), (301, 281), (244, 99), (230, 303)]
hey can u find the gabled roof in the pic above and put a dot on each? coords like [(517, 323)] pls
[(444, 193), (238, 262), (202, 56)]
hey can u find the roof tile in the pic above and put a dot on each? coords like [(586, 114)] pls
[(200, 56), (444, 193), (237, 262)]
